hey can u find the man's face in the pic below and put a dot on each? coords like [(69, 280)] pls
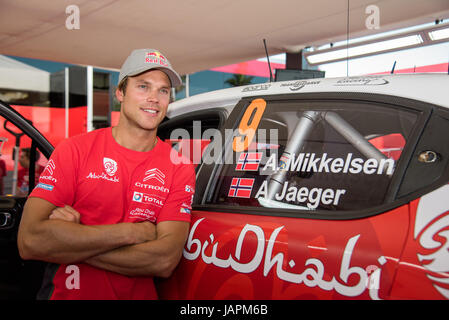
[(23, 160), (145, 102)]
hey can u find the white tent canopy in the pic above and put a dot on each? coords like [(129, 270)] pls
[(18, 76), (194, 34)]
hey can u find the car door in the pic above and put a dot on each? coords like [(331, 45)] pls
[(302, 202), (425, 261), (19, 279)]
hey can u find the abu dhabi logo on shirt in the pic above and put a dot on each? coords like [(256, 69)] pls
[(142, 214), (110, 166)]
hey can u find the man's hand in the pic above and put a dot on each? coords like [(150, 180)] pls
[(142, 231), (150, 258), (66, 213)]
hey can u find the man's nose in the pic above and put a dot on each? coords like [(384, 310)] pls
[(152, 95)]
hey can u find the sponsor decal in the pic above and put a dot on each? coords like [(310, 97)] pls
[(185, 205), (152, 187), (189, 188), (257, 87), (362, 81), (184, 210), (241, 187), (156, 174), (103, 176), (350, 281), (143, 214), (110, 166), (156, 57), (191, 202), (50, 167), (48, 178), (45, 186), (147, 199), (48, 172), (298, 85), (137, 196), (431, 227), (283, 163), (248, 161)]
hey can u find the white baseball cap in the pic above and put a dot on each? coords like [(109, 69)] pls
[(141, 60)]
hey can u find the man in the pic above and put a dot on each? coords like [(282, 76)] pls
[(23, 172), (111, 210)]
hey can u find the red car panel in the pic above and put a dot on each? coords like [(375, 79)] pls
[(234, 256)]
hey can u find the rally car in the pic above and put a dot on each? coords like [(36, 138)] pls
[(307, 189), (317, 189)]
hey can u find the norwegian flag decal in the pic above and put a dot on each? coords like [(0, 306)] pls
[(241, 187), (248, 161)]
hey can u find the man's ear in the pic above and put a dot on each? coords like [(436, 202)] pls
[(119, 95)]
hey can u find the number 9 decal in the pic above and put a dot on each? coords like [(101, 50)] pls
[(248, 125)]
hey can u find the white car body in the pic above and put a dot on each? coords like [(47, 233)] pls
[(430, 88)]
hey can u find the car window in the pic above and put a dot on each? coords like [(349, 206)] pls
[(312, 155), (15, 154), (188, 133)]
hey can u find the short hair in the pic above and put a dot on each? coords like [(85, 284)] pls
[(123, 84), (27, 153)]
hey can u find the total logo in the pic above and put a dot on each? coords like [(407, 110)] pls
[(147, 199), (138, 196)]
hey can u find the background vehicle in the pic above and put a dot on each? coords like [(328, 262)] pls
[(308, 189), (18, 279)]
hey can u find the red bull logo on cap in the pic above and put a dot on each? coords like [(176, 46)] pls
[(156, 57)]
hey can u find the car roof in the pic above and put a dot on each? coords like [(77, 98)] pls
[(428, 87)]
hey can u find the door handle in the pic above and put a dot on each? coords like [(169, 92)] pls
[(6, 220)]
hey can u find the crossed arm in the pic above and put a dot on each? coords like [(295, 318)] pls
[(134, 249)]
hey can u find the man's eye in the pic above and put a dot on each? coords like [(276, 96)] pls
[(165, 91), (142, 86)]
